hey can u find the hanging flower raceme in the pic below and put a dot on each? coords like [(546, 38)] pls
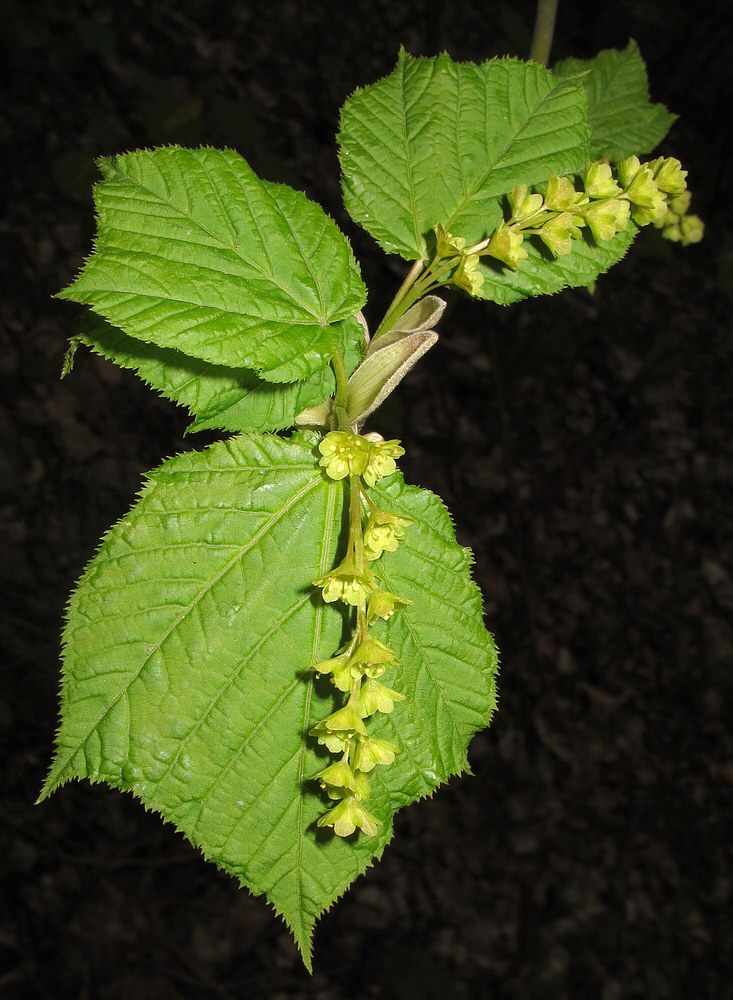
[(607, 200), (357, 665), (344, 732)]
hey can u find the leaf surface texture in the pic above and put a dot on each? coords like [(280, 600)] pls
[(186, 662), (623, 120), (439, 141), (194, 252)]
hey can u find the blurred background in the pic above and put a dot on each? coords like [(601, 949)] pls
[(582, 443)]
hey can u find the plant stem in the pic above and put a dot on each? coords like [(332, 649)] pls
[(356, 535), (544, 29), (394, 312), (342, 379), (342, 391)]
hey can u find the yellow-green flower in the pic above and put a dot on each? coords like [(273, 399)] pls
[(381, 460), (342, 725), (467, 275), (383, 604), (506, 246), (384, 532), (338, 667), (524, 205), (681, 203), (339, 777), (372, 658), (606, 218), (643, 190), (558, 233), (373, 751), (644, 214), (447, 245), (669, 175), (344, 454), (692, 229), (347, 816), (376, 697), (561, 196), (347, 583), (599, 182), (627, 170)]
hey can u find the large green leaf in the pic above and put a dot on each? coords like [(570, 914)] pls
[(218, 397), (186, 663), (438, 141), (541, 274), (623, 121), (195, 252)]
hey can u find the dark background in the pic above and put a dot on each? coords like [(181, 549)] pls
[(582, 443)]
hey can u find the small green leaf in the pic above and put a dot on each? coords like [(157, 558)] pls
[(194, 252), (622, 119), (186, 657), (441, 142), (218, 397)]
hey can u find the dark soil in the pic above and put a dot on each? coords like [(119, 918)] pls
[(583, 445)]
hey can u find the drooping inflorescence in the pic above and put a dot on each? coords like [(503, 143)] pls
[(653, 192), (356, 667)]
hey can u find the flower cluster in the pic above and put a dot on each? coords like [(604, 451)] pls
[(356, 667), (646, 193), (346, 454), (355, 670)]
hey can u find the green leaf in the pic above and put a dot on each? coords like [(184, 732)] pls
[(541, 274), (186, 662), (194, 252), (438, 141), (218, 397), (622, 119)]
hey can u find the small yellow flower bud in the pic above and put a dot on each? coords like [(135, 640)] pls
[(644, 214), (643, 190), (681, 203), (383, 604), (338, 667), (558, 233), (669, 175), (347, 583), (561, 196), (524, 205), (447, 245), (606, 218), (383, 532), (599, 182), (372, 658), (627, 170), (691, 229), (339, 776), (506, 246), (467, 275)]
